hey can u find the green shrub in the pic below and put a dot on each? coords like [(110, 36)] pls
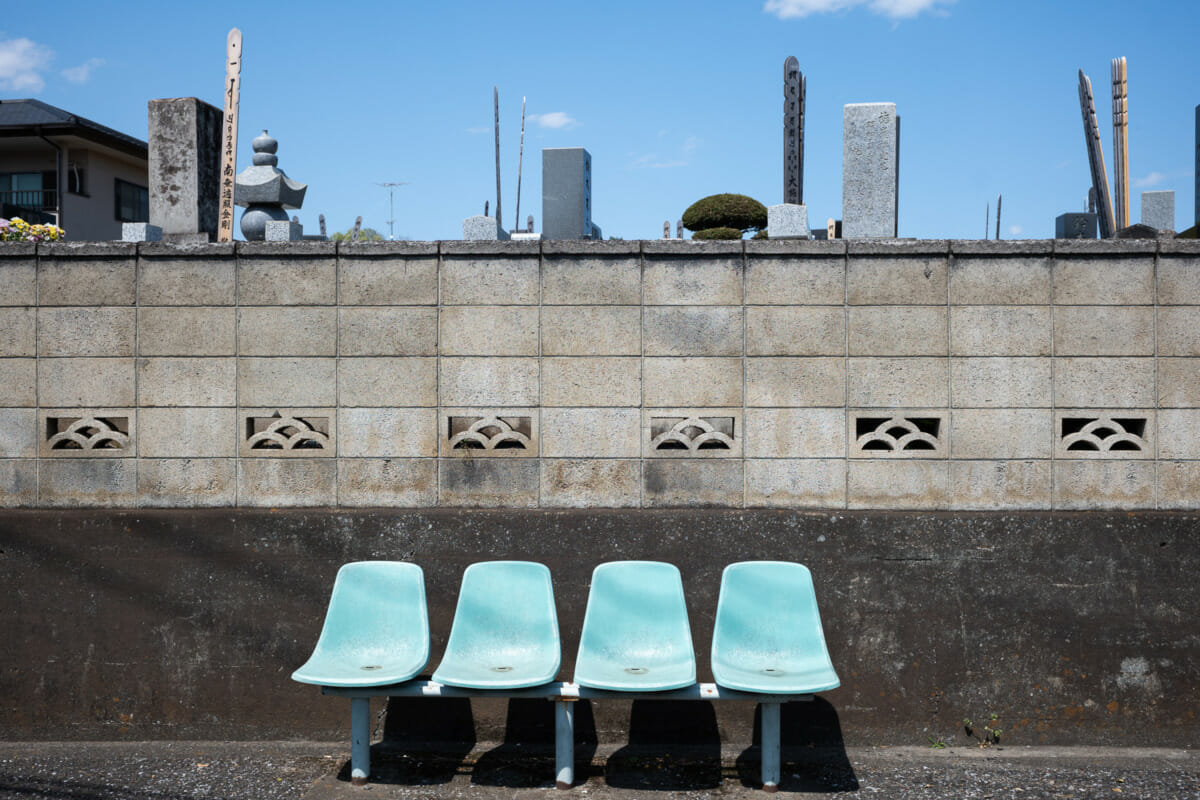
[(726, 211), (718, 233), (761, 235)]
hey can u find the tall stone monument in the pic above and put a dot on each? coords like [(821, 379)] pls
[(790, 219), (567, 194), (870, 171), (1120, 110), (1158, 210), (185, 168), (1095, 151)]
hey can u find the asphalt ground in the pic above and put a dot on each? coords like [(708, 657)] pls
[(320, 771)]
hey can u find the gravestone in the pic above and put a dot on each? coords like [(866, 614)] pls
[(678, 229), (484, 228), (666, 229), (1158, 210), (567, 194), (1095, 151), (870, 171), (1075, 225), (789, 220), (184, 168)]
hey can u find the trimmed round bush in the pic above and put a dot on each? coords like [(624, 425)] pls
[(761, 235), (718, 233), (725, 211)]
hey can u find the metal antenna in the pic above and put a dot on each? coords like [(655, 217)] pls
[(987, 219), (391, 221), (520, 159), (496, 108), (999, 199)]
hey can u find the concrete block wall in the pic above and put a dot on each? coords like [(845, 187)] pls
[(906, 374)]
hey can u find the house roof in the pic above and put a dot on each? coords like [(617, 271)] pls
[(28, 117)]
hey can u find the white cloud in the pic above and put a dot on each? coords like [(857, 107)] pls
[(483, 129), (690, 144), (83, 72), (654, 161), (21, 64), (1015, 230), (554, 119), (1153, 179), (896, 9)]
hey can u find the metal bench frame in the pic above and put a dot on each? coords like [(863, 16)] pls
[(563, 695)]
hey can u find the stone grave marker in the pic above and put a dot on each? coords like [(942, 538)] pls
[(870, 170), (1158, 210)]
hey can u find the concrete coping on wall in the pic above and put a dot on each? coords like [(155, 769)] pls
[(88, 249), (585, 247), (287, 248), (17, 249), (369, 249), (898, 247), (687, 247), (1105, 247), (203, 250), (789, 247), (1179, 246), (993, 247), (489, 248)]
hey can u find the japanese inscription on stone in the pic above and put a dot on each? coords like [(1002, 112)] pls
[(233, 83), (793, 132)]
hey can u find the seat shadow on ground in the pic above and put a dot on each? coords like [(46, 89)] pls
[(425, 741), (813, 752)]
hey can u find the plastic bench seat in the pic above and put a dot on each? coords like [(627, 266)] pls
[(635, 635), (768, 635), (505, 631), (376, 629)]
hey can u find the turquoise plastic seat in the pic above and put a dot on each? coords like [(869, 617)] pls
[(505, 631), (768, 635), (635, 630), (376, 629)]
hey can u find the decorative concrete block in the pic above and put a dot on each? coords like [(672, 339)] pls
[(882, 280), (18, 280), (795, 331), (485, 382), (305, 382), (572, 280), (692, 483), (795, 433), (489, 280), (980, 280), (692, 331), (290, 482), (870, 170), (692, 433), (18, 382), (1177, 482), (1158, 210), (1076, 225), (187, 482), (1178, 433), (775, 280), (1177, 382), (187, 433), (979, 433), (396, 280), (18, 433), (897, 433), (395, 382), (488, 482), (592, 330), (87, 483), (488, 331), (85, 382), (186, 281), (681, 281), (1000, 331), (1178, 281), (287, 331), (303, 280), (1104, 433), (591, 483), (1104, 281), (1105, 331), (787, 221), (1092, 485), (901, 484), (897, 331), (1178, 331), (187, 331), (140, 232), (18, 332), (591, 432), (1104, 382), (387, 482), (86, 331), (387, 331), (283, 230), (104, 433), (387, 432), (185, 165), (792, 483), (490, 432), (782, 382), (898, 382), (275, 432), (692, 382), (591, 381), (484, 228), (18, 483), (1000, 485), (1000, 382), (86, 281), (188, 382)]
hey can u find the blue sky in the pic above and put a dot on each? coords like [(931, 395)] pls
[(674, 100)]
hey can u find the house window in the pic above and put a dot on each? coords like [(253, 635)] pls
[(132, 202)]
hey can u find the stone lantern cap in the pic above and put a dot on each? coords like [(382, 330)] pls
[(265, 183)]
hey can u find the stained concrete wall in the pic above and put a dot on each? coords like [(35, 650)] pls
[(920, 375)]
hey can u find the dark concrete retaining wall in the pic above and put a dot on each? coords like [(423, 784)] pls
[(1073, 628)]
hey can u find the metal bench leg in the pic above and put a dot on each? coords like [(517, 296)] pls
[(564, 744), (770, 746), (360, 740)]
